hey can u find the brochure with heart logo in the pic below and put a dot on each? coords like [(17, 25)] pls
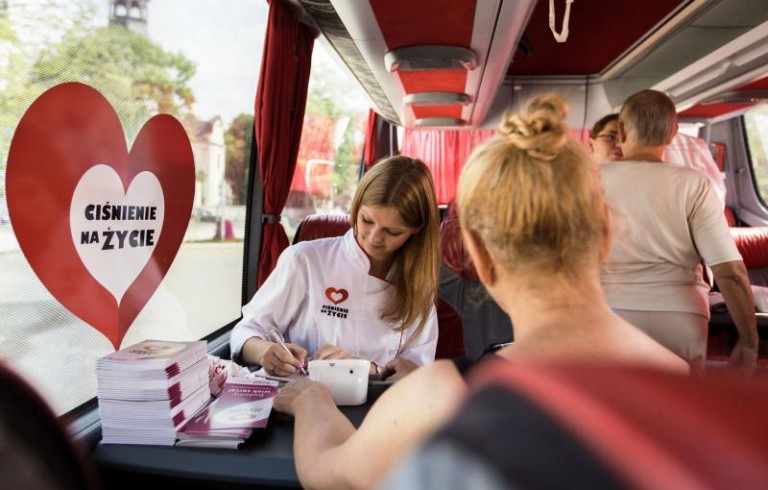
[(244, 405), (148, 390), (100, 225)]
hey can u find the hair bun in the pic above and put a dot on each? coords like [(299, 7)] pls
[(540, 129)]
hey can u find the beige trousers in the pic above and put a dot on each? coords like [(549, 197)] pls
[(683, 333)]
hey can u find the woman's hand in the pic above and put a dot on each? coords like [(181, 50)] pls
[(398, 369), (299, 391), (329, 351), (275, 360)]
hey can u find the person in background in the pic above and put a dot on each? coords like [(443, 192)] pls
[(533, 219), (669, 219), (604, 140), (689, 151), (684, 150), (369, 294)]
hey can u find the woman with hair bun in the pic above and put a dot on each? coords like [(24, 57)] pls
[(534, 222), (539, 254)]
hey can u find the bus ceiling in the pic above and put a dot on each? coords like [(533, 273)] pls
[(461, 63)]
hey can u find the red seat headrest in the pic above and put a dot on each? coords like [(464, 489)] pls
[(317, 226), (753, 245), (654, 429), (452, 245)]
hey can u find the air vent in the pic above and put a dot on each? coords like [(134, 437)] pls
[(738, 96), (436, 98), (430, 57), (440, 122)]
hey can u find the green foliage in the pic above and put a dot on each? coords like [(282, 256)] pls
[(334, 94), (319, 103), (237, 141), (59, 43), (6, 31), (331, 93), (345, 172), (137, 76)]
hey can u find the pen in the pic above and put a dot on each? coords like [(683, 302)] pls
[(277, 336)]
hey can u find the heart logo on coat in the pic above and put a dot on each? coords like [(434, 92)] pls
[(336, 296), (98, 225)]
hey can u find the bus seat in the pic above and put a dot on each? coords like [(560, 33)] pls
[(449, 341), (36, 450), (564, 426), (753, 245), (483, 322), (316, 226), (730, 216), (452, 247)]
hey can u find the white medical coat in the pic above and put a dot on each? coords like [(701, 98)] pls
[(320, 293)]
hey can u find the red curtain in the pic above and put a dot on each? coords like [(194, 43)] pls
[(369, 157), (581, 136), (380, 139), (279, 113), (445, 152)]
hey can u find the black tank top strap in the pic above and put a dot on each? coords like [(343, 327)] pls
[(465, 364)]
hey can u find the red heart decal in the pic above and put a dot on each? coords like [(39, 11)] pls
[(336, 296), (67, 154)]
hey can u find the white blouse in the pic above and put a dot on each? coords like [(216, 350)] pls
[(320, 293)]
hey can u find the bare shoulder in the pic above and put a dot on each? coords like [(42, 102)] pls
[(436, 388)]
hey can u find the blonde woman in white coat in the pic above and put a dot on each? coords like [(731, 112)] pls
[(369, 294)]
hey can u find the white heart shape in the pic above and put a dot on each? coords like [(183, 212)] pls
[(115, 232), (337, 297)]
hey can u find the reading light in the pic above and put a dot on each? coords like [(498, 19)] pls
[(430, 57), (436, 98), (439, 121)]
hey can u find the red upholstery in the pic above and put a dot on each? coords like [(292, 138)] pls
[(317, 226), (450, 341), (654, 429), (730, 217), (753, 245), (454, 254)]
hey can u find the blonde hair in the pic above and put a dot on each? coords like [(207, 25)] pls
[(406, 185), (533, 195), (650, 116)]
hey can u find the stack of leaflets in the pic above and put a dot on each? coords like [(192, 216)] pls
[(244, 405), (148, 390)]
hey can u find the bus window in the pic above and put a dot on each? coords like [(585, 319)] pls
[(331, 147), (144, 61), (756, 127)]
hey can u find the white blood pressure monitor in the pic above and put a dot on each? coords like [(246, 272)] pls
[(347, 379)]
